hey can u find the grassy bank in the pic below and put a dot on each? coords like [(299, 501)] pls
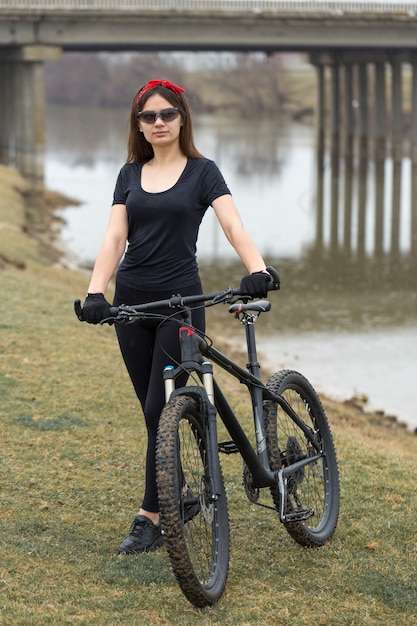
[(71, 472)]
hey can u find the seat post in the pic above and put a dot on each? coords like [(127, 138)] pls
[(253, 364)]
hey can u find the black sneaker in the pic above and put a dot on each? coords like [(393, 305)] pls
[(144, 536)]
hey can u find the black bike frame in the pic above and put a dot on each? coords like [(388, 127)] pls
[(193, 349)]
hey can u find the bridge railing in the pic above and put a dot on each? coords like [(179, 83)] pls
[(217, 6)]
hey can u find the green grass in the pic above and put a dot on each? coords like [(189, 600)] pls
[(71, 474)]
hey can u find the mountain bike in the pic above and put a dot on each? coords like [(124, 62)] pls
[(294, 455)]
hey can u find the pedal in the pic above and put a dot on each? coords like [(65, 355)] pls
[(299, 516), (228, 447)]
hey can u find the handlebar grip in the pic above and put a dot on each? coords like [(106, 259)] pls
[(78, 309), (276, 281), (114, 310)]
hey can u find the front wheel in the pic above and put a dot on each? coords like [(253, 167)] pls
[(312, 494), (194, 520)]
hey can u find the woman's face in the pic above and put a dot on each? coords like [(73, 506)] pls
[(159, 132)]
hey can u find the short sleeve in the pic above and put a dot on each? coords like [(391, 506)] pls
[(120, 190), (213, 183)]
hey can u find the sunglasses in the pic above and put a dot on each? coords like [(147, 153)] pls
[(166, 115)]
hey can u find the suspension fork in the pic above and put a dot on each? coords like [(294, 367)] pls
[(210, 426), (191, 356), (192, 359)]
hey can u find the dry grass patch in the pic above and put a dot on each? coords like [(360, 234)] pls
[(71, 475)]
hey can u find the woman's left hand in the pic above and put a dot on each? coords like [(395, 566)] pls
[(255, 285)]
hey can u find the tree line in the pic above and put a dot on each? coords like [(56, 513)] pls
[(245, 84)]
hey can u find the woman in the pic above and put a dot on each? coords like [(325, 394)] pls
[(160, 197)]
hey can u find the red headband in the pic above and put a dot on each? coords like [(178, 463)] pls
[(154, 83)]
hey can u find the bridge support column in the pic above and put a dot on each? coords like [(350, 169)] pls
[(22, 127), (6, 117), (335, 153), (320, 152), (413, 153), (380, 143), (349, 153), (396, 108), (363, 131), (380, 127), (397, 148)]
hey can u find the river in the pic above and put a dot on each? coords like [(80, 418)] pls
[(346, 316)]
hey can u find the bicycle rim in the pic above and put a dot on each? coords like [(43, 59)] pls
[(312, 503), (195, 525)]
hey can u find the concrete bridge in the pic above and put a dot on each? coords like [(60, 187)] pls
[(268, 25), (356, 46)]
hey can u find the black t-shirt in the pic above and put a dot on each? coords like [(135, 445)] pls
[(163, 227)]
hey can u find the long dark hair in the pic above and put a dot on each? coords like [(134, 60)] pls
[(138, 149)]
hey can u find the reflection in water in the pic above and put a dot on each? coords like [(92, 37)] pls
[(379, 207), (330, 292), (356, 223), (341, 236)]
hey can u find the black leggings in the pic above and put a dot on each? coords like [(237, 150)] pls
[(146, 349)]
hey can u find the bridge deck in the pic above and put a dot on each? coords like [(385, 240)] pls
[(318, 7), (207, 24)]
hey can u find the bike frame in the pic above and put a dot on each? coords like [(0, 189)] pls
[(194, 349)]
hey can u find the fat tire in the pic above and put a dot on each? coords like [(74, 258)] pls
[(316, 487), (199, 548)]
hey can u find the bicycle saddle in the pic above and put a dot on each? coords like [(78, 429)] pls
[(261, 306)]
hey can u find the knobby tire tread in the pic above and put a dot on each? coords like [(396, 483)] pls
[(199, 593)]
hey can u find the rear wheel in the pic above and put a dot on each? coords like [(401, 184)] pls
[(194, 521), (312, 499)]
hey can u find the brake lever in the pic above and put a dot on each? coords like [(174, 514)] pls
[(225, 296), (109, 320)]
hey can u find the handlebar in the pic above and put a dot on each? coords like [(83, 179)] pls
[(125, 312)]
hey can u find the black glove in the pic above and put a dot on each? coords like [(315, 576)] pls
[(255, 285), (96, 308)]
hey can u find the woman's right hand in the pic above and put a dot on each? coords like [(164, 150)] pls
[(96, 308)]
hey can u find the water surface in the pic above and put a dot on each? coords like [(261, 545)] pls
[(346, 316)]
